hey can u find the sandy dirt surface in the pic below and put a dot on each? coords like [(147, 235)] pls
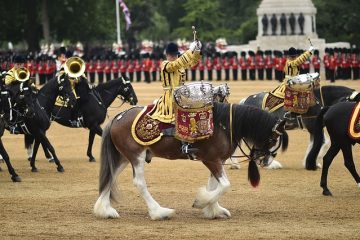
[(288, 204)]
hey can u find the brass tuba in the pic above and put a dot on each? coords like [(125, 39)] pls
[(74, 67), (22, 74)]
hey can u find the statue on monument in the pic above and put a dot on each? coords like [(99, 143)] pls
[(265, 23), (301, 20), (283, 24), (292, 23), (273, 22)]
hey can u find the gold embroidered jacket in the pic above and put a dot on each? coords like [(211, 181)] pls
[(291, 69), (172, 75)]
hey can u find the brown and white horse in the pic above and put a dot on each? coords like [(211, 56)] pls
[(232, 123)]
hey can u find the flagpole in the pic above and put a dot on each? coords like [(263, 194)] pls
[(118, 22)]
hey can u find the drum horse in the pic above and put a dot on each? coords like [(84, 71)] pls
[(324, 96), (231, 122)]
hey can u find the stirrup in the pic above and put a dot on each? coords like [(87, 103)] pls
[(187, 149)]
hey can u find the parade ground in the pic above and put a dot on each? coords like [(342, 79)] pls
[(288, 204)]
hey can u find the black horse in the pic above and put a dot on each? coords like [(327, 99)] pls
[(326, 96), (336, 119), (36, 120), (92, 107), (12, 115)]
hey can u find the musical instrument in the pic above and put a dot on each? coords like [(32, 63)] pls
[(22, 74), (194, 95), (74, 67), (304, 81)]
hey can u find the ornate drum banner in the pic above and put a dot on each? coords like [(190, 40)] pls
[(298, 101), (193, 124)]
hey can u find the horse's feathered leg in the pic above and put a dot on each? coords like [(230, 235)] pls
[(111, 165), (92, 133), (328, 158), (214, 210), (205, 197), (156, 212), (6, 158)]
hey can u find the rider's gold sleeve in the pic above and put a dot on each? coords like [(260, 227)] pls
[(186, 60), (301, 59), (9, 77)]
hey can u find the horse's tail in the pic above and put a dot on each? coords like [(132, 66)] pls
[(253, 174), (29, 140), (109, 162), (318, 141)]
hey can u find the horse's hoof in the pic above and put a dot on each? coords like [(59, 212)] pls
[(327, 193), (29, 159), (311, 168), (34, 169), (51, 160), (92, 159), (234, 167), (60, 169), (16, 179)]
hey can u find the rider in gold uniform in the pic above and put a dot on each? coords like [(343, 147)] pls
[(291, 69), (19, 62), (172, 74)]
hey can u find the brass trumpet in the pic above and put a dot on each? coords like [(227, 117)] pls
[(74, 67), (22, 74)]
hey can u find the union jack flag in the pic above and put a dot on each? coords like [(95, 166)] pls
[(126, 12)]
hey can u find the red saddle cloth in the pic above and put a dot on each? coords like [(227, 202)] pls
[(298, 101), (193, 124), (354, 123), (147, 131)]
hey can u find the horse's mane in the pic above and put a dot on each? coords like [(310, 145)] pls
[(109, 85), (248, 122), (333, 94)]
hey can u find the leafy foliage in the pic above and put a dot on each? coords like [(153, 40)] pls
[(94, 22)]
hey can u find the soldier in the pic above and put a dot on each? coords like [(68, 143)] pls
[(291, 69), (130, 66), (107, 67), (226, 65), (50, 68), (260, 64), (326, 63), (268, 65), (41, 69), (201, 69), (332, 66), (19, 62), (355, 64), (123, 65), (193, 72), (90, 68), (209, 66), (234, 65), (173, 75), (316, 61), (137, 67), (147, 65), (60, 58), (153, 68), (115, 67), (243, 65), (305, 66), (100, 65), (217, 64), (251, 62)]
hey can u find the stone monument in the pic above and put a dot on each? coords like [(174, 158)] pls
[(298, 16)]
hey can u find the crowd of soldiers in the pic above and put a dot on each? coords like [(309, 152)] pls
[(339, 63)]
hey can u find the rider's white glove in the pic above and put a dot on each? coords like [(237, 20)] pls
[(195, 46), (311, 49)]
